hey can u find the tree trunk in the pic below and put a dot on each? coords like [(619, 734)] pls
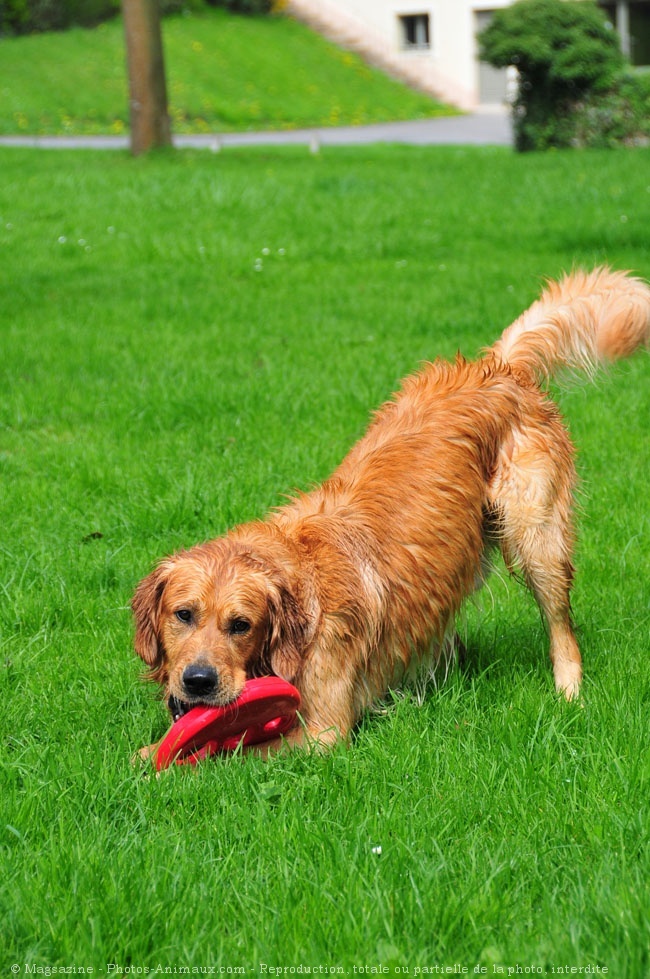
[(146, 69)]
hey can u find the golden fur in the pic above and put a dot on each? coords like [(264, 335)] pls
[(349, 588)]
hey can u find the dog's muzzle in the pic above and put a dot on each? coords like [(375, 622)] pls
[(200, 682)]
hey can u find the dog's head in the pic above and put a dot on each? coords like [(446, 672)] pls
[(209, 618)]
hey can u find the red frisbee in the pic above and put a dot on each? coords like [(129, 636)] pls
[(265, 709)]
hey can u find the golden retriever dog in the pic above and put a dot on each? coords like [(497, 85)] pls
[(351, 589)]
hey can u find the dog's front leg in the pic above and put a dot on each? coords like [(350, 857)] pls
[(300, 737)]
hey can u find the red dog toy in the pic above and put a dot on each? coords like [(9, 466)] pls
[(265, 709)]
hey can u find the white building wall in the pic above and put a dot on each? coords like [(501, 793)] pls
[(449, 68)]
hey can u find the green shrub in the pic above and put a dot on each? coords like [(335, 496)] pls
[(564, 51), (244, 6), (14, 15), (36, 16), (618, 117)]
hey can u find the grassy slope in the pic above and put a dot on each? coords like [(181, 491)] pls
[(163, 377), (224, 73)]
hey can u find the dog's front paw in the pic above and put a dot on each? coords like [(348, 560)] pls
[(145, 755)]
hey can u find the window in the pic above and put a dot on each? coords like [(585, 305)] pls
[(414, 31)]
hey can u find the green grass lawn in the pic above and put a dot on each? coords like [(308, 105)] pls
[(224, 73), (185, 339)]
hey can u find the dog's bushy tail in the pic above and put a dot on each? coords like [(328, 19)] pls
[(583, 322)]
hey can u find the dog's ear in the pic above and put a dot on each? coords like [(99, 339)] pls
[(288, 630), (145, 606)]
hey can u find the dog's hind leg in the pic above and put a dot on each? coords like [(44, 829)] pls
[(531, 495)]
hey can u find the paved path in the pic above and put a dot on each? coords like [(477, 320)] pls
[(478, 129)]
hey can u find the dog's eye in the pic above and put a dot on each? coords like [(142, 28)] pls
[(238, 627), (184, 615)]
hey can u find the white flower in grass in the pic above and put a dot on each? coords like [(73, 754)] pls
[(377, 850)]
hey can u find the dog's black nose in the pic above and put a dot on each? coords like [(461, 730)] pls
[(200, 680)]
